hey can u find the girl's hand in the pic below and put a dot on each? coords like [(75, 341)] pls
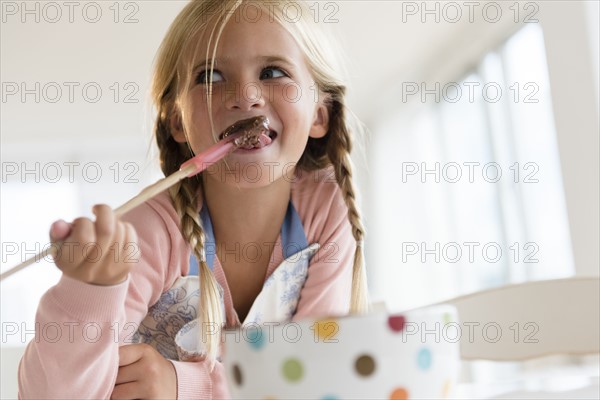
[(95, 252), (144, 374)]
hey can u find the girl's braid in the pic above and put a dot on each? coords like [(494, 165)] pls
[(184, 198), (338, 152)]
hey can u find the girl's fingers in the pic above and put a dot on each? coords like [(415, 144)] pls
[(120, 234), (97, 252), (127, 391), (72, 250), (82, 232), (144, 373), (110, 234), (105, 227), (127, 374), (131, 353), (59, 230)]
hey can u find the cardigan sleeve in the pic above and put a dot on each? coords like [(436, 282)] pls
[(74, 353)]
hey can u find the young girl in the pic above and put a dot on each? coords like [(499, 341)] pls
[(270, 233)]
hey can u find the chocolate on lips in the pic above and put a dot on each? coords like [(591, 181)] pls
[(255, 132)]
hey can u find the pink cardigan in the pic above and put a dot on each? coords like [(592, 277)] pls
[(93, 321)]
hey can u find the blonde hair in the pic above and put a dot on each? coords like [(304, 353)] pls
[(172, 76)]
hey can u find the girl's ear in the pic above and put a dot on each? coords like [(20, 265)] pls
[(176, 127), (320, 125)]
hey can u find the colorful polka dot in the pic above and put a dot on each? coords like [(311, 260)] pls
[(365, 365), (363, 369), (326, 330), (256, 338), (396, 323), (399, 394), (293, 370), (237, 375), (424, 358)]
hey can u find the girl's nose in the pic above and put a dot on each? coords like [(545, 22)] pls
[(244, 96)]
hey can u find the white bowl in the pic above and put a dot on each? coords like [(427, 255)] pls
[(410, 355)]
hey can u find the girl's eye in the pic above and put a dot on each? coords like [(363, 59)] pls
[(272, 72), (203, 77)]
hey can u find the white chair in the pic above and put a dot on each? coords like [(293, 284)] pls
[(525, 323), (530, 320)]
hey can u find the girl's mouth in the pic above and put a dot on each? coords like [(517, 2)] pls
[(256, 133), (264, 140)]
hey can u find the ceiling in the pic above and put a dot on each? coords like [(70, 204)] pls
[(381, 50)]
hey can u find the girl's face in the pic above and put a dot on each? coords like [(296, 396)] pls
[(259, 70)]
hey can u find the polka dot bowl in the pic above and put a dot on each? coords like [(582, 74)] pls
[(402, 356)]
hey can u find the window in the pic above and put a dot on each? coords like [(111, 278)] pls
[(474, 197)]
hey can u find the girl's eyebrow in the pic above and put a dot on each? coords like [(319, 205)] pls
[(277, 59), (260, 59)]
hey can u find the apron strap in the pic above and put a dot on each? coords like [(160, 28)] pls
[(293, 237)]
